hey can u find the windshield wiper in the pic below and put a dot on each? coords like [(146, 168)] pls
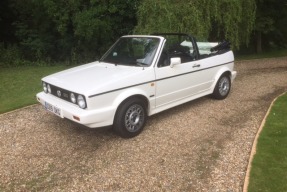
[(141, 64), (110, 62)]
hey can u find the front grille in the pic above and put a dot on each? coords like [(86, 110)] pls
[(64, 94), (61, 93)]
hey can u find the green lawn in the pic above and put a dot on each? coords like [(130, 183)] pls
[(18, 86), (269, 166)]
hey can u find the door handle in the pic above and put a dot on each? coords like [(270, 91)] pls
[(196, 65)]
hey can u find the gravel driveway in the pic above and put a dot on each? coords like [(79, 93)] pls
[(203, 145)]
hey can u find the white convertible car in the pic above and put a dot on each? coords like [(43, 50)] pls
[(140, 75)]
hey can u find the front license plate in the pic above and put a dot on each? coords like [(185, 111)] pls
[(53, 109)]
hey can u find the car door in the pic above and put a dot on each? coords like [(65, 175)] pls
[(182, 81)]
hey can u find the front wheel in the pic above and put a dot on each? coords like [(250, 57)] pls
[(222, 87), (130, 118)]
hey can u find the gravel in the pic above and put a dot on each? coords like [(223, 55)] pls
[(203, 145)]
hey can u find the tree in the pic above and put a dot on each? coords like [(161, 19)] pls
[(232, 20), (34, 29), (104, 21), (271, 23), (92, 25), (7, 17), (74, 30)]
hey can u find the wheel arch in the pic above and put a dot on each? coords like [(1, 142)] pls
[(224, 71), (138, 96), (121, 99)]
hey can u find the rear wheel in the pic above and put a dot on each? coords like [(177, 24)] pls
[(222, 87), (130, 118)]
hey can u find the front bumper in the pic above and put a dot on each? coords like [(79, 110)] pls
[(90, 118), (233, 75)]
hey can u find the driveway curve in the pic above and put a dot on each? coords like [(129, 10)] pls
[(203, 145)]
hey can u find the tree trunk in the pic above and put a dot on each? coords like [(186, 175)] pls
[(259, 42)]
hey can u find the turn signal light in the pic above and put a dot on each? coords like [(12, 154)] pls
[(76, 118)]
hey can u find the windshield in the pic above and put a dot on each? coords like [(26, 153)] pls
[(132, 51)]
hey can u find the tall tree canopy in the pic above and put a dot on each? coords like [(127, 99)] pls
[(271, 23), (232, 20), (74, 29), (80, 30)]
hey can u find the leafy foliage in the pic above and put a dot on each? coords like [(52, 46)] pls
[(233, 20), (271, 23), (77, 30)]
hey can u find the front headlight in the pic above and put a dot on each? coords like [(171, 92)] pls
[(81, 101), (73, 98), (49, 88), (45, 87)]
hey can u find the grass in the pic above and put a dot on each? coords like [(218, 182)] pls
[(269, 54), (18, 86), (269, 166)]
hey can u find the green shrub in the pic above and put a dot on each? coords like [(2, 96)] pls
[(11, 56)]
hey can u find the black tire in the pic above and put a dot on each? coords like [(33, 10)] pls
[(130, 118), (222, 87)]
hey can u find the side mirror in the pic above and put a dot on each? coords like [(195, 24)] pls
[(175, 61)]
